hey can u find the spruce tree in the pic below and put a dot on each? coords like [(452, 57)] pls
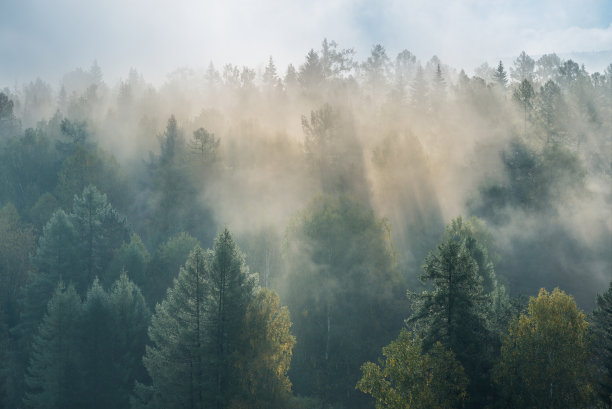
[(176, 360), (55, 259), (197, 331), (230, 292), (130, 318), (53, 381), (96, 358)]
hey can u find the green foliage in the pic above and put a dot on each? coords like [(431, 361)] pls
[(408, 377), (342, 266), (131, 318), (544, 360), (264, 363), (55, 259), (230, 289), (176, 360), (9, 125), (602, 329), (17, 244), (453, 312), (53, 379), (132, 258), (99, 230), (196, 332), (42, 210), (28, 168), (536, 181), (165, 264), (96, 365), (174, 204)]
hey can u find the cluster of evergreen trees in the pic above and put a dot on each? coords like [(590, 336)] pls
[(107, 298)]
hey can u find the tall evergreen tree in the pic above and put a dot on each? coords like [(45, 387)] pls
[(100, 230), (96, 359), (230, 292), (53, 379), (453, 312), (196, 332), (130, 318), (176, 360), (54, 259), (602, 328)]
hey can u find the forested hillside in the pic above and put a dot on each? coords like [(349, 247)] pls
[(242, 238)]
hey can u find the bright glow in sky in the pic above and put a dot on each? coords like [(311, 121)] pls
[(49, 38)]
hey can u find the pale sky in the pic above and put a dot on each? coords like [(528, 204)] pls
[(43, 38)]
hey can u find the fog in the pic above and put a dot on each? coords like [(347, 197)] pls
[(416, 140)]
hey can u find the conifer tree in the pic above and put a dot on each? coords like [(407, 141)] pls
[(130, 318), (52, 379), (176, 360), (54, 259), (500, 75), (96, 355), (230, 292), (100, 230), (453, 312), (602, 328)]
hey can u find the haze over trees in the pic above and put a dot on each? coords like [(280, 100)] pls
[(332, 234)]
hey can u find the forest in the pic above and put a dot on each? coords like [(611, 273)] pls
[(338, 234)]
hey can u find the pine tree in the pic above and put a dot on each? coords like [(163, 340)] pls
[(53, 379), (453, 312)]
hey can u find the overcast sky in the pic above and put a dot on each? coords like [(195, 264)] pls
[(44, 38)]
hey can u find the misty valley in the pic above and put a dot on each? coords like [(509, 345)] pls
[(342, 233)]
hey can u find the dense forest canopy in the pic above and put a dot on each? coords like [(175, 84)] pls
[(346, 185)]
